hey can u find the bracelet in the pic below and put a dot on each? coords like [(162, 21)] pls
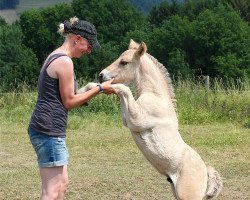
[(100, 88)]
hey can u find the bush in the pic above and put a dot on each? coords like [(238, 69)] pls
[(18, 64)]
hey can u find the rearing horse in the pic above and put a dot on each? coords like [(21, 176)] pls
[(152, 120)]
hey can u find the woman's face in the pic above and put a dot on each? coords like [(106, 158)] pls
[(82, 46)]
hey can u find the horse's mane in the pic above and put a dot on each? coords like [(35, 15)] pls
[(164, 71)]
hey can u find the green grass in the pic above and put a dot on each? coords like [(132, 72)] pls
[(223, 103), (105, 163), (195, 105)]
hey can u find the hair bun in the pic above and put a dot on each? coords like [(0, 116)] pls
[(67, 26)]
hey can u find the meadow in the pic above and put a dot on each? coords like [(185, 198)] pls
[(105, 163)]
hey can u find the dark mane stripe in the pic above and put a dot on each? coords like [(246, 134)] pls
[(164, 71)]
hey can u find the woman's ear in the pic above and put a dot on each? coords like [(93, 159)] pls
[(78, 38)]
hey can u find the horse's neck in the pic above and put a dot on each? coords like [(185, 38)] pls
[(151, 80)]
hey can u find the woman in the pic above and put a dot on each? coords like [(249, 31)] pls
[(56, 95)]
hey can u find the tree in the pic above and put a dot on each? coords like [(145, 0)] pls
[(40, 28), (177, 62), (173, 38), (165, 10), (192, 8), (18, 63), (221, 42), (215, 43), (243, 6), (2, 22), (145, 5), (36, 34), (100, 59), (113, 19)]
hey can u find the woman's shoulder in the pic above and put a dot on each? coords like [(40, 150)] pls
[(61, 58), (61, 65)]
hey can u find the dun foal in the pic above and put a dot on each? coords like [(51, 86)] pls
[(152, 120)]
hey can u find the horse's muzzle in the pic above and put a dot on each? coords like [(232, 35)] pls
[(104, 77), (100, 78)]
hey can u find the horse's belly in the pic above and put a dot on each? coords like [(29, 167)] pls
[(164, 152)]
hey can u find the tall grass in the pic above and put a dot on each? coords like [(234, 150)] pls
[(223, 102)]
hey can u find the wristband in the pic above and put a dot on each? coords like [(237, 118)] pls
[(100, 88)]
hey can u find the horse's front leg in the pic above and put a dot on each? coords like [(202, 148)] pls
[(133, 116), (87, 87)]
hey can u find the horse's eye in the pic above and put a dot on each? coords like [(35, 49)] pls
[(123, 62)]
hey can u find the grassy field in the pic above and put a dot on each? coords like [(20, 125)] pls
[(105, 163)]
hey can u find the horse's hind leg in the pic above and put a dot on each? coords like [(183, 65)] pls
[(172, 186), (192, 180)]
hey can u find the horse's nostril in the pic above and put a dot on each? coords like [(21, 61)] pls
[(100, 77)]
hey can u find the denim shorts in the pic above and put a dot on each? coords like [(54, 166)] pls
[(51, 151)]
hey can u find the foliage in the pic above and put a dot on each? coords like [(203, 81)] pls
[(163, 12), (192, 8), (243, 6), (224, 102), (145, 5), (214, 44), (203, 37), (40, 28), (113, 19), (18, 63), (221, 40), (2, 22), (89, 66), (178, 63), (171, 44)]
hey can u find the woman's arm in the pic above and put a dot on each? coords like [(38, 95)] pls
[(65, 72)]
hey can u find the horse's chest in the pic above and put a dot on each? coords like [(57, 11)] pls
[(153, 146), (148, 141), (162, 151)]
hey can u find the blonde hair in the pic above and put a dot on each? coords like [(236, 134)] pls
[(61, 27)]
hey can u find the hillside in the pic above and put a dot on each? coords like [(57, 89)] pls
[(11, 15), (28, 4), (146, 5)]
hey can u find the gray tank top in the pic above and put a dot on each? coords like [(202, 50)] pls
[(49, 116)]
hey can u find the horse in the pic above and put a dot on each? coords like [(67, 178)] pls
[(152, 119)]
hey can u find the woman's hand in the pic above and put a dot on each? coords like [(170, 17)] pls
[(107, 87)]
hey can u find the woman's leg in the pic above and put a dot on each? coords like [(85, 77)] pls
[(54, 182)]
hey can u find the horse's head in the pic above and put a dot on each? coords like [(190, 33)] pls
[(124, 68)]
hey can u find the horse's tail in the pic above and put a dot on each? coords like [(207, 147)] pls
[(214, 183)]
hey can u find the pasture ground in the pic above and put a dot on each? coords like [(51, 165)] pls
[(105, 163)]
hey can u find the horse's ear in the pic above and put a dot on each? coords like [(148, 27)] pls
[(141, 49), (133, 45)]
